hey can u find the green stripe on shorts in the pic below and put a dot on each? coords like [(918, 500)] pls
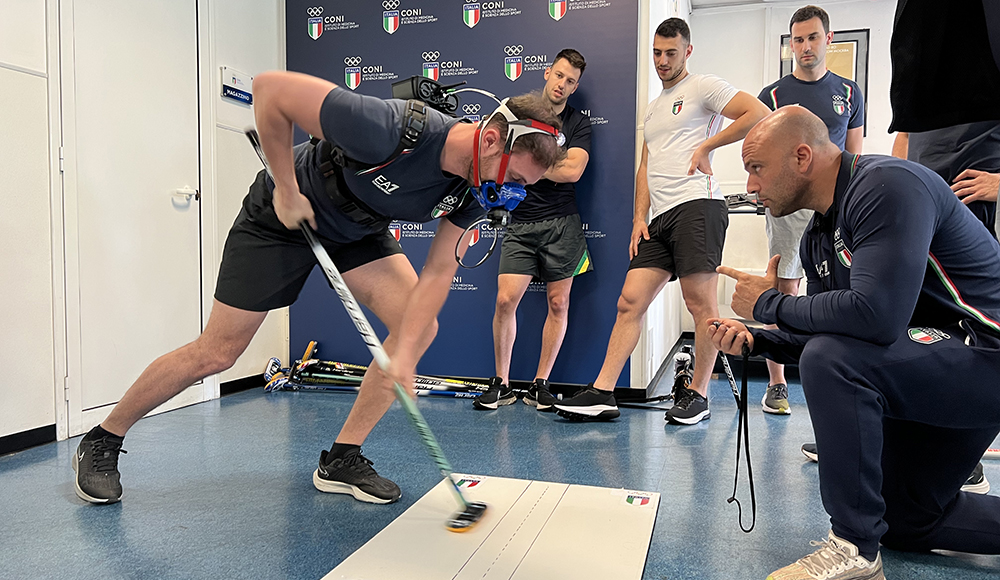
[(585, 265)]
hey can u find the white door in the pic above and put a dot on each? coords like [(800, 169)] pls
[(131, 137)]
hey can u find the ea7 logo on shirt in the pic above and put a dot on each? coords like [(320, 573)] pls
[(823, 269), (385, 185), (843, 254), (678, 105), (926, 335)]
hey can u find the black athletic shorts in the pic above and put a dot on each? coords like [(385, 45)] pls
[(549, 250), (686, 239), (265, 265)]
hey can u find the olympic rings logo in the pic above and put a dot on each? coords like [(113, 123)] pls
[(470, 108), (450, 200), (513, 50), (430, 55), (314, 11), (390, 4), (352, 60)]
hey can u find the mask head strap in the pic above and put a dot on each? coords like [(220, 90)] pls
[(516, 128)]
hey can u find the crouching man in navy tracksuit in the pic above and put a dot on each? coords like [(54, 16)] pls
[(897, 343)]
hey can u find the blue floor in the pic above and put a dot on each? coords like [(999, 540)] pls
[(224, 490)]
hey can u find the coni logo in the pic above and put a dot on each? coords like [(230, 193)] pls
[(390, 17), (431, 69), (513, 65), (314, 25), (352, 74), (471, 111)]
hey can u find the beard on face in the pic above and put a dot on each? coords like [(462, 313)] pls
[(787, 193), (679, 70)]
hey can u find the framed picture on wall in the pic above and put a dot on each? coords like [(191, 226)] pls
[(846, 56)]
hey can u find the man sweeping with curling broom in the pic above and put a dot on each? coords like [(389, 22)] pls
[(374, 161)]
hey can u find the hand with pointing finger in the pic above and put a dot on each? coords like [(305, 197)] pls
[(750, 287)]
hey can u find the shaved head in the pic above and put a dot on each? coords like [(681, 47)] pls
[(784, 155), (790, 126)]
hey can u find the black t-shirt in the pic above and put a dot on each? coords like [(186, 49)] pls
[(547, 199), (412, 187), (945, 64), (950, 151)]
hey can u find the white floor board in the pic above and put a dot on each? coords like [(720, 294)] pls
[(532, 530)]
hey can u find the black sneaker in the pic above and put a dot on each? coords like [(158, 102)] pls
[(810, 451), (353, 474), (977, 481), (497, 395), (590, 404), (539, 396), (96, 465), (689, 407)]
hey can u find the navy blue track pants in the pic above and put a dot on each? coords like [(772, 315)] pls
[(899, 428)]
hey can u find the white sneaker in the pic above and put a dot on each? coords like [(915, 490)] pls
[(836, 559)]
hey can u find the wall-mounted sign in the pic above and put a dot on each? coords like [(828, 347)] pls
[(237, 86)]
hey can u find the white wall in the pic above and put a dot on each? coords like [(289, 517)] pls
[(245, 34), (27, 391), (741, 45), (662, 325), (249, 35)]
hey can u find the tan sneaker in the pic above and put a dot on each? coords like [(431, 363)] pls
[(836, 559)]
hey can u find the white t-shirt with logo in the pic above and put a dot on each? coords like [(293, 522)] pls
[(677, 122)]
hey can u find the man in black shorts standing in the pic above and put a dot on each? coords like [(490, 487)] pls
[(684, 239), (366, 172), (546, 242)]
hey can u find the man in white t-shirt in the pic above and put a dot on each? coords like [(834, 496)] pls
[(689, 218)]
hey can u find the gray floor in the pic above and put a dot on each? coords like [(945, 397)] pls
[(223, 489)]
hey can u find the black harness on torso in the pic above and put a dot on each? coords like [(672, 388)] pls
[(333, 162)]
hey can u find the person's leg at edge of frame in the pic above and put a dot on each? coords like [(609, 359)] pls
[(700, 293), (553, 333), (226, 336), (871, 484), (383, 286), (775, 399), (597, 401), (510, 290), (641, 286)]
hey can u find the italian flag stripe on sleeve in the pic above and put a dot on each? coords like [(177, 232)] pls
[(956, 296)]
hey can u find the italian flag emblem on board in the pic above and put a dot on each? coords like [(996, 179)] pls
[(352, 77), (315, 28), (390, 21), (470, 14), (468, 482), (512, 67), (637, 499), (557, 9)]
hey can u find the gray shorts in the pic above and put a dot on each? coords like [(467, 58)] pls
[(549, 250), (783, 237)]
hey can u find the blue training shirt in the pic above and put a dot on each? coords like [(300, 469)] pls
[(834, 99), (896, 249)]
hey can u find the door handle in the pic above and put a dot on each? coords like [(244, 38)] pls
[(187, 193)]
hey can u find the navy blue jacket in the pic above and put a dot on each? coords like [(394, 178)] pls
[(897, 249)]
